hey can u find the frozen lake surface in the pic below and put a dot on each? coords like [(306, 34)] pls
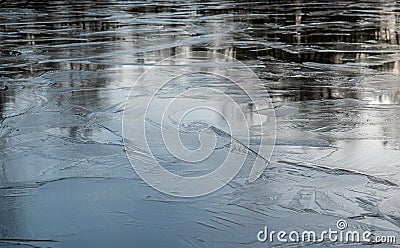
[(66, 68)]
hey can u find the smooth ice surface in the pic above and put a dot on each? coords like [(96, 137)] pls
[(66, 67)]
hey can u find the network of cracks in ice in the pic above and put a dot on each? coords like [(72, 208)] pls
[(332, 73)]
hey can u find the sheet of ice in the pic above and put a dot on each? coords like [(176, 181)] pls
[(331, 68)]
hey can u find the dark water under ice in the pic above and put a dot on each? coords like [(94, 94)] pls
[(66, 67)]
